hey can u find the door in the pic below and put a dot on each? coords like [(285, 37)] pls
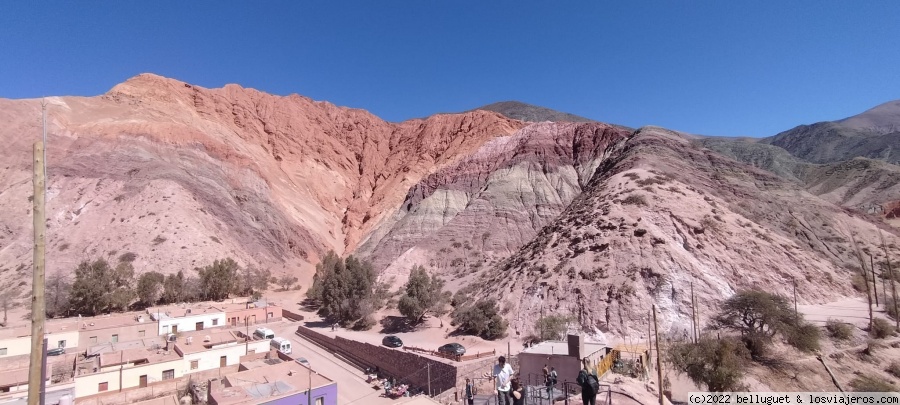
[(143, 381), (198, 326), (223, 361), (174, 328)]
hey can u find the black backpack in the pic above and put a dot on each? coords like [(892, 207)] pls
[(591, 385)]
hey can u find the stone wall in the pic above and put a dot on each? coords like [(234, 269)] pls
[(407, 368)]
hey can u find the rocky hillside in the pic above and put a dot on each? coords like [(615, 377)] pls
[(531, 113), (662, 214), (581, 218), (180, 174)]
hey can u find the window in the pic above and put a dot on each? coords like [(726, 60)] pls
[(93, 339), (61, 344), (142, 333), (115, 339), (5, 389), (271, 314), (320, 401), (168, 374), (215, 322), (195, 364), (2, 351), (102, 386)]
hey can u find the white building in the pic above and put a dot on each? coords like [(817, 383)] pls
[(214, 350), (177, 319)]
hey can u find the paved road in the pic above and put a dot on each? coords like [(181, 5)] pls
[(352, 388)]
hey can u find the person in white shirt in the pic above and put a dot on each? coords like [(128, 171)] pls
[(503, 374)]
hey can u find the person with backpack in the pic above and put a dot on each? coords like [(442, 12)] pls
[(551, 382), (590, 384)]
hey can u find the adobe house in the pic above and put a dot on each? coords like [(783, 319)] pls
[(565, 356)]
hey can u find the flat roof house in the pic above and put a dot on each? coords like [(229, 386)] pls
[(279, 384), (184, 318)]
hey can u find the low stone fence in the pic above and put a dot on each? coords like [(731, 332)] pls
[(407, 368), (293, 316)]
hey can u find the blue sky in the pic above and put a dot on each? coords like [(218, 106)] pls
[(707, 67)]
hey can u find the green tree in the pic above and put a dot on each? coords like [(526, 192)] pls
[(287, 281), (150, 288), (551, 327), (346, 290), (100, 289), (252, 281), (717, 364), (481, 319), (173, 288), (8, 300), (759, 315), (57, 292), (423, 294), (324, 270), (217, 280)]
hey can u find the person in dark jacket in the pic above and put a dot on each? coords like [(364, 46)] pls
[(517, 392), (470, 392), (587, 379)]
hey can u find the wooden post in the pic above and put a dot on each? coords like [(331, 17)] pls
[(649, 338), (428, 365), (35, 370), (874, 279), (887, 258), (659, 373), (693, 315), (862, 266)]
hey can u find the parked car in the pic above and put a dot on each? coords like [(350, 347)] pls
[(392, 341), (302, 361), (452, 349), (59, 351)]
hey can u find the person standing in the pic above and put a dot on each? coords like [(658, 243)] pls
[(517, 392), (503, 373), (589, 383), (470, 392), (551, 382)]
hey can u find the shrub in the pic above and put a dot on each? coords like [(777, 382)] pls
[(839, 330), (804, 337), (865, 383), (894, 369), (858, 282), (719, 365), (889, 308), (757, 345), (635, 199), (481, 319), (551, 327), (881, 328)]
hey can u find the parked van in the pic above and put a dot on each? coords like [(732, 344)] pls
[(264, 333), (282, 345)]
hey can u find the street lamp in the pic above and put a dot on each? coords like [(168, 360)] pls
[(309, 390)]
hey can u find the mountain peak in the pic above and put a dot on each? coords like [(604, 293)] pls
[(882, 119), (531, 113)]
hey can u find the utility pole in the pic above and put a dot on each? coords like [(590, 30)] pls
[(649, 339), (874, 279), (659, 374), (887, 258), (35, 371), (428, 365), (796, 312), (309, 391)]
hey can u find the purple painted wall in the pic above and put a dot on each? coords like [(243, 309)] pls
[(328, 393)]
